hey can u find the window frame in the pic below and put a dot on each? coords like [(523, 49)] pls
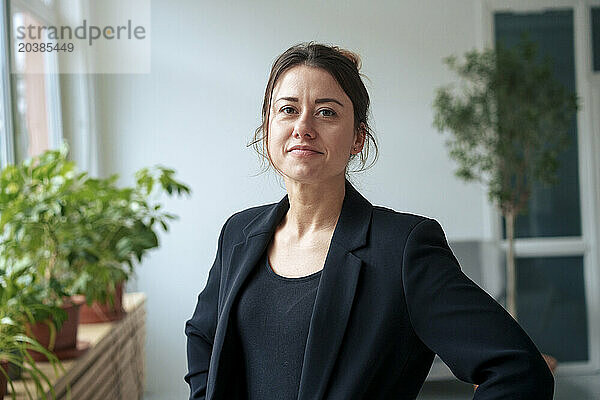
[(588, 137), (7, 154)]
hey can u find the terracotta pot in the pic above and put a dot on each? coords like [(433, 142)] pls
[(3, 380), (65, 343), (106, 312)]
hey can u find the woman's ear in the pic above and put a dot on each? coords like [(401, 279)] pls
[(359, 138)]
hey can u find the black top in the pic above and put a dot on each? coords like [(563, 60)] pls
[(272, 320)]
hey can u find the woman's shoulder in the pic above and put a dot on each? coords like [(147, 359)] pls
[(383, 214), (406, 224)]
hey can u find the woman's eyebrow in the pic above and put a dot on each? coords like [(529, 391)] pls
[(317, 101), (328, 100), (295, 99)]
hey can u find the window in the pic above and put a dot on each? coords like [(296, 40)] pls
[(556, 245), (552, 305), (553, 211), (595, 17), (543, 282), (33, 99), (6, 153)]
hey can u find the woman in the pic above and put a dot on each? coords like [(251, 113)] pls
[(325, 296)]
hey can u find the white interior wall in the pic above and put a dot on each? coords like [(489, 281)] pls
[(199, 106)]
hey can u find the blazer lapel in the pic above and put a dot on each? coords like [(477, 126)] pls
[(335, 295), (245, 256)]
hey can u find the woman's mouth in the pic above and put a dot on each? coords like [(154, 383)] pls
[(304, 152)]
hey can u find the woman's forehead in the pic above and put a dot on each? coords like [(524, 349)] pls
[(303, 80)]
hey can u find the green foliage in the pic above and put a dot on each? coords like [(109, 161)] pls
[(75, 234), (18, 307), (20, 298), (509, 119)]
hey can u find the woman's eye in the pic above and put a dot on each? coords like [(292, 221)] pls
[(327, 112), (288, 110)]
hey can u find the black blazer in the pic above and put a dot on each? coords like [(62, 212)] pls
[(391, 296)]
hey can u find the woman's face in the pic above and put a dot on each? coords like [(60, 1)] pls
[(311, 126)]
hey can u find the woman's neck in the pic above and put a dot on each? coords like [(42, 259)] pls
[(313, 207)]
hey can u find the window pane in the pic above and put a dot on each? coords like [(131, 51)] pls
[(595, 14), (553, 211), (3, 115), (34, 115), (551, 305)]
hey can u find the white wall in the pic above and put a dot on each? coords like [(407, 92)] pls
[(197, 109)]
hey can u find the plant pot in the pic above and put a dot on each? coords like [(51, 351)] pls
[(98, 312), (66, 345)]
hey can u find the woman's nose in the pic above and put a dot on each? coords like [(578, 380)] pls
[(304, 127)]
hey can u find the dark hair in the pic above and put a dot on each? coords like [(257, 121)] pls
[(344, 66)]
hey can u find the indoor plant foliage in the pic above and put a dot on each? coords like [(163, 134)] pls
[(77, 234), (35, 236), (119, 228), (509, 121), (17, 308)]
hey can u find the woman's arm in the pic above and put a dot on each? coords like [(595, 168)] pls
[(200, 329), (468, 329)]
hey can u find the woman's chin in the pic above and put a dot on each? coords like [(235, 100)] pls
[(309, 177)]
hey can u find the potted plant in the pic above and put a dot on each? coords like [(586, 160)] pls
[(124, 223), (80, 235), (508, 123), (35, 236), (17, 308)]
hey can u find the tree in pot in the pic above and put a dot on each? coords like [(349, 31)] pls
[(509, 121), (17, 308)]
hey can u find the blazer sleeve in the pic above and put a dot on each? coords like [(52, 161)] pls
[(200, 329), (479, 341)]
